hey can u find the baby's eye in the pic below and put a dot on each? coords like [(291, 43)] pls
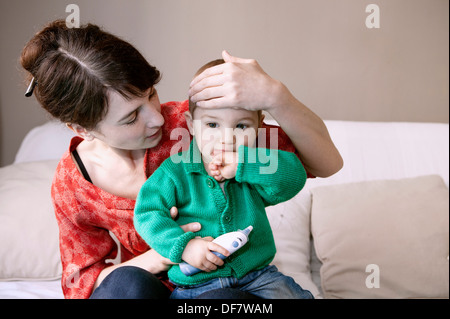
[(212, 125), (242, 126)]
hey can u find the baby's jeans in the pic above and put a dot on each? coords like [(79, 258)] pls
[(267, 283)]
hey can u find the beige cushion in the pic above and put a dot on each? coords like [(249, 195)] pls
[(290, 222), (394, 233), (29, 248)]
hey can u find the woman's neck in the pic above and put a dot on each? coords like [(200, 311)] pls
[(117, 171), (103, 153)]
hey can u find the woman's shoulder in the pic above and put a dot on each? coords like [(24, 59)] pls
[(66, 166), (69, 182), (79, 200), (173, 113), (174, 110)]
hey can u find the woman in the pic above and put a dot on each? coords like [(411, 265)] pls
[(104, 90)]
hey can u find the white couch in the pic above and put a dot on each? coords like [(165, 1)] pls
[(377, 229)]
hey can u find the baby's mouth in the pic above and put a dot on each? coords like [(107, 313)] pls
[(222, 150)]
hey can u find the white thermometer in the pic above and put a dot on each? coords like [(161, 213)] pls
[(230, 241)]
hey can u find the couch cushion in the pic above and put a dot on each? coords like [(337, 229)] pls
[(29, 248), (290, 222), (383, 239)]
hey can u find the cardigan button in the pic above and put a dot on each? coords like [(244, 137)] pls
[(210, 183)]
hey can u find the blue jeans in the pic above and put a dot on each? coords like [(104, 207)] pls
[(130, 282), (267, 283)]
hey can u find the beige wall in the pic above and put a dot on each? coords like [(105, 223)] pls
[(321, 49)]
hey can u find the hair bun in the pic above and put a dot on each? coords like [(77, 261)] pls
[(43, 42)]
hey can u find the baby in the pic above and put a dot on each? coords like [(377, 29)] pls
[(222, 183)]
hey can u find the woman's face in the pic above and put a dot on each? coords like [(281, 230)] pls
[(131, 124)]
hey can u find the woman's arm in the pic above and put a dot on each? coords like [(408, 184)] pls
[(308, 133), (243, 83), (150, 260), (80, 270)]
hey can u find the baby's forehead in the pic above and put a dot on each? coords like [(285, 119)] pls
[(224, 112)]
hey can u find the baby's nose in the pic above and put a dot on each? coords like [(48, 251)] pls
[(228, 136)]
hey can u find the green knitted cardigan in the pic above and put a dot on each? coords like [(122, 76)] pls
[(183, 182)]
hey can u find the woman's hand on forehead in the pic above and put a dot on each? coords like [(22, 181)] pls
[(238, 83)]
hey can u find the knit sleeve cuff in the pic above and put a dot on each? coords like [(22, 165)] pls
[(254, 163), (177, 250)]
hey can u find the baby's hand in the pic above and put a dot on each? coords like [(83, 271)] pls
[(224, 165), (198, 254)]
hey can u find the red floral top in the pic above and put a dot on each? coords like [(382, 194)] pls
[(87, 215)]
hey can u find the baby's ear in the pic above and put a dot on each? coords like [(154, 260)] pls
[(189, 122)]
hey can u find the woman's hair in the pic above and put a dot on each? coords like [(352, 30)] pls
[(75, 67)]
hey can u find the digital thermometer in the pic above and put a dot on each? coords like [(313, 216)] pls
[(230, 241)]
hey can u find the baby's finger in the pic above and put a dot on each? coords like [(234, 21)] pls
[(213, 166), (215, 171), (215, 259), (174, 213), (208, 266), (219, 178), (191, 227), (217, 248)]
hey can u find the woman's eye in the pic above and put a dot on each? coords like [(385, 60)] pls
[(212, 125), (133, 120)]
